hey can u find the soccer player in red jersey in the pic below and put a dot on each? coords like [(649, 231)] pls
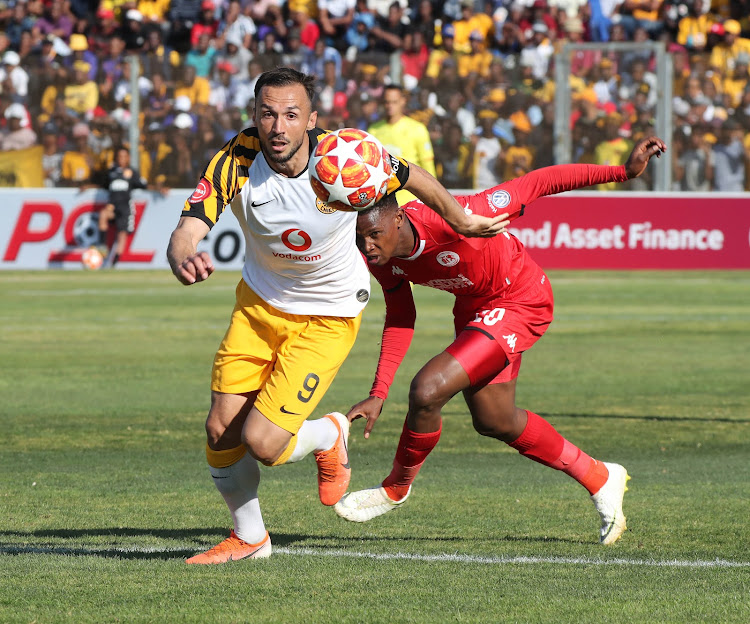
[(503, 306)]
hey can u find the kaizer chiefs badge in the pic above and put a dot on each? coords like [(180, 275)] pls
[(323, 207)]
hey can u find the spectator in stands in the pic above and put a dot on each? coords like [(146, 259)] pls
[(453, 109), (518, 158), (156, 151), (477, 61), (730, 158), (607, 84), (439, 54), (51, 155), (57, 20), (316, 59), (154, 11), (642, 14), (18, 134), (102, 29), (13, 78), (414, 59), (309, 31), (206, 24), (538, 50), (485, 151), (470, 22), (388, 35), (693, 29), (132, 31), (614, 149), (18, 23), (358, 32), (508, 40), (79, 47), (294, 52), (224, 88), (335, 16), (111, 62), (236, 27), (452, 157), (195, 87), (123, 90), (693, 163), (77, 168), (182, 15), (202, 57), (724, 55), (424, 20), (735, 84), (601, 21), (158, 58), (82, 94)]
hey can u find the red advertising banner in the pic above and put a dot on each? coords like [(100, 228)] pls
[(636, 231)]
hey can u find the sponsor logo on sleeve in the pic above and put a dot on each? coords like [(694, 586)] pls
[(203, 190), (498, 199)]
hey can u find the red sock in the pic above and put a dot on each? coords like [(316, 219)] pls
[(542, 443), (413, 449)]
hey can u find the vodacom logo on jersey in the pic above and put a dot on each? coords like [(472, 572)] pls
[(296, 239)]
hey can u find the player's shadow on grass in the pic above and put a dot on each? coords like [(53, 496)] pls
[(38, 542)]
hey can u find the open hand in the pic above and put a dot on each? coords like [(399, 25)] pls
[(368, 409)]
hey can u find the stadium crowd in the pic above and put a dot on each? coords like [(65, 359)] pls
[(479, 74)]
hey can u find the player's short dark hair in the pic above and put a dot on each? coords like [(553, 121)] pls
[(285, 77), (394, 87), (383, 206)]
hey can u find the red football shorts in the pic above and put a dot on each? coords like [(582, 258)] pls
[(493, 332)]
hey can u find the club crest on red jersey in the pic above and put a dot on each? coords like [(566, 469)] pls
[(448, 258), (201, 191)]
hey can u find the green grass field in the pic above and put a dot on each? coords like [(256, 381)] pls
[(104, 488)]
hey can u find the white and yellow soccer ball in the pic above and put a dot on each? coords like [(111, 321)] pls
[(350, 169), (92, 259)]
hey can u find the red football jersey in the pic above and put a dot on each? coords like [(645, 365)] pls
[(473, 269)]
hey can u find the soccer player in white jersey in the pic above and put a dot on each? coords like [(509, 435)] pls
[(304, 285)]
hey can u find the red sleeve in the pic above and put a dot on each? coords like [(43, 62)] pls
[(400, 314), (561, 178), (513, 196)]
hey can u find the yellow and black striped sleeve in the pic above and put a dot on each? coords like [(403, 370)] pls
[(400, 174), (223, 178)]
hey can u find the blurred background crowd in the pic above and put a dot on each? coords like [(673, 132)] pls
[(476, 76)]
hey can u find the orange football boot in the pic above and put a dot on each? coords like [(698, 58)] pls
[(233, 549), (333, 465)]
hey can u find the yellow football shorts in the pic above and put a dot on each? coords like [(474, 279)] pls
[(291, 359)]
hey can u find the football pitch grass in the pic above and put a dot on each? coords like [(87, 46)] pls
[(104, 488)]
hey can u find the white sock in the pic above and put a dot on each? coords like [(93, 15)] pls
[(238, 484), (314, 436)]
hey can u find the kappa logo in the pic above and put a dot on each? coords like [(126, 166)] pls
[(498, 199), (398, 271), (201, 191), (448, 258), (467, 210), (296, 239), (511, 340)]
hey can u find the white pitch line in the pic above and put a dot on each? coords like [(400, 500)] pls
[(442, 557)]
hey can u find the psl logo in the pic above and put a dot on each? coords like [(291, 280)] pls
[(201, 191)]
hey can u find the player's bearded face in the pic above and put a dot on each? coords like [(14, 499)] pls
[(283, 117)]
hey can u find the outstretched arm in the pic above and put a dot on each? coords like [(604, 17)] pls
[(560, 178), (436, 196)]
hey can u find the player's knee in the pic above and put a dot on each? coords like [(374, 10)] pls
[(215, 431), (264, 450), (427, 393)]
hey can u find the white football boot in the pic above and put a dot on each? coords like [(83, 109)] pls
[(367, 504), (608, 502)]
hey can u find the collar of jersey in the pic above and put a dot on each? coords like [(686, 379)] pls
[(419, 243)]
